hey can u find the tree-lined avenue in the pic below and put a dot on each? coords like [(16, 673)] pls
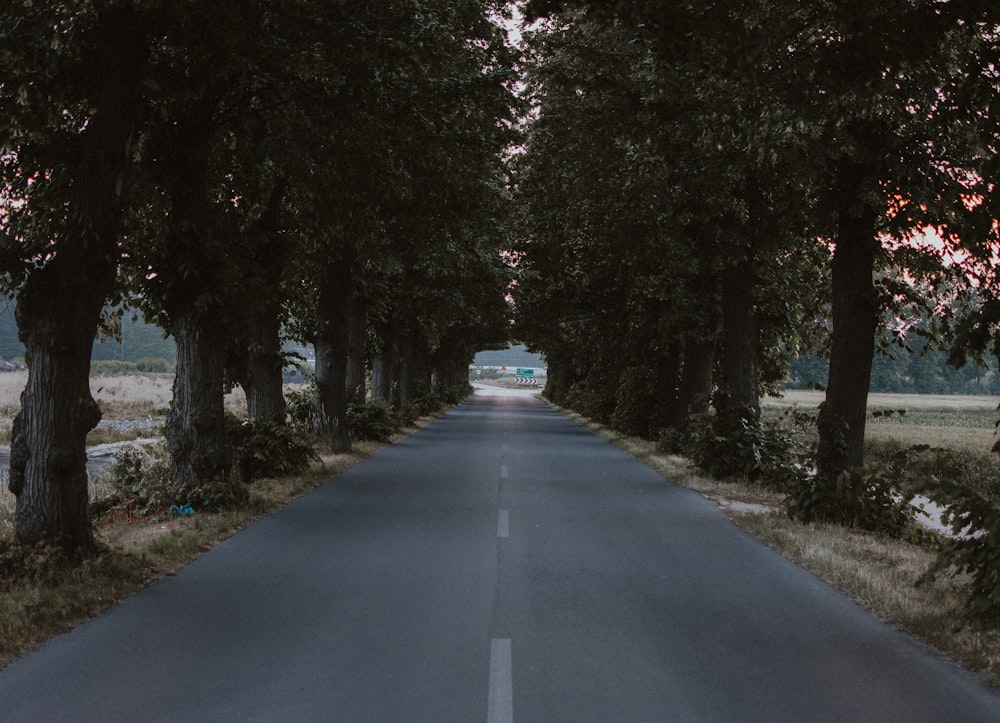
[(501, 564)]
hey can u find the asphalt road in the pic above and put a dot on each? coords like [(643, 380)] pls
[(501, 565)]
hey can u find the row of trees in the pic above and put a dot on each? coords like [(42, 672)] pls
[(238, 169), (710, 189), (906, 372)]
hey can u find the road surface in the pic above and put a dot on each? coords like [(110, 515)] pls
[(501, 565)]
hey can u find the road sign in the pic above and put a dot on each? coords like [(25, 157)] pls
[(524, 372)]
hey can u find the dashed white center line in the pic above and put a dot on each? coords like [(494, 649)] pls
[(500, 708), (503, 523)]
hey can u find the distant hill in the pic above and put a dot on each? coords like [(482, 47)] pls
[(516, 355), (139, 340)]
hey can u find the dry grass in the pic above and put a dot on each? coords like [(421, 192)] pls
[(878, 572), (964, 423), (922, 402), (132, 396)]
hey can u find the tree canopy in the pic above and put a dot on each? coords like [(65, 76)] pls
[(711, 190)]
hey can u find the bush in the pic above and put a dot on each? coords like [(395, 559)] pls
[(974, 548), (736, 441), (374, 421), (302, 406), (855, 498), (267, 449), (636, 403), (141, 483), (865, 498), (111, 368), (154, 365)]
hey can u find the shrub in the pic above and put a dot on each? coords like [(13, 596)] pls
[(865, 498), (855, 498), (636, 403), (375, 421), (266, 449), (140, 480), (302, 406), (736, 441), (111, 368), (153, 365), (974, 547)]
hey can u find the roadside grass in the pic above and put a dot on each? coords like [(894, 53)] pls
[(878, 572), (41, 596)]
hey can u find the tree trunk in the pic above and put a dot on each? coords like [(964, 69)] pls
[(260, 375), (331, 355), (332, 389), (356, 352), (696, 380), (381, 377), (48, 466), (741, 337), (58, 310), (196, 426), (403, 370), (841, 419)]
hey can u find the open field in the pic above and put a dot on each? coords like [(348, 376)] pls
[(133, 396), (965, 423)]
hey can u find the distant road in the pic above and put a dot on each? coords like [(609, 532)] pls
[(501, 565)]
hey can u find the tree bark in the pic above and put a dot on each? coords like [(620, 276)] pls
[(741, 337), (404, 379), (196, 427), (48, 467), (841, 419), (695, 389), (59, 308), (261, 367), (381, 377), (356, 351), (331, 344)]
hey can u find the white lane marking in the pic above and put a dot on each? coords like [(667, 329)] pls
[(504, 474), (503, 523), (500, 708)]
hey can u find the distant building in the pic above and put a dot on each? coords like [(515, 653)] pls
[(514, 356)]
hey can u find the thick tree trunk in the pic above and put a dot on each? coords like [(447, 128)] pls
[(855, 318), (260, 375), (48, 467), (331, 344), (356, 352), (741, 338), (331, 386), (59, 308), (196, 426), (381, 378), (695, 389), (404, 380)]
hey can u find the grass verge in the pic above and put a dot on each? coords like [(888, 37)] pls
[(878, 572)]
